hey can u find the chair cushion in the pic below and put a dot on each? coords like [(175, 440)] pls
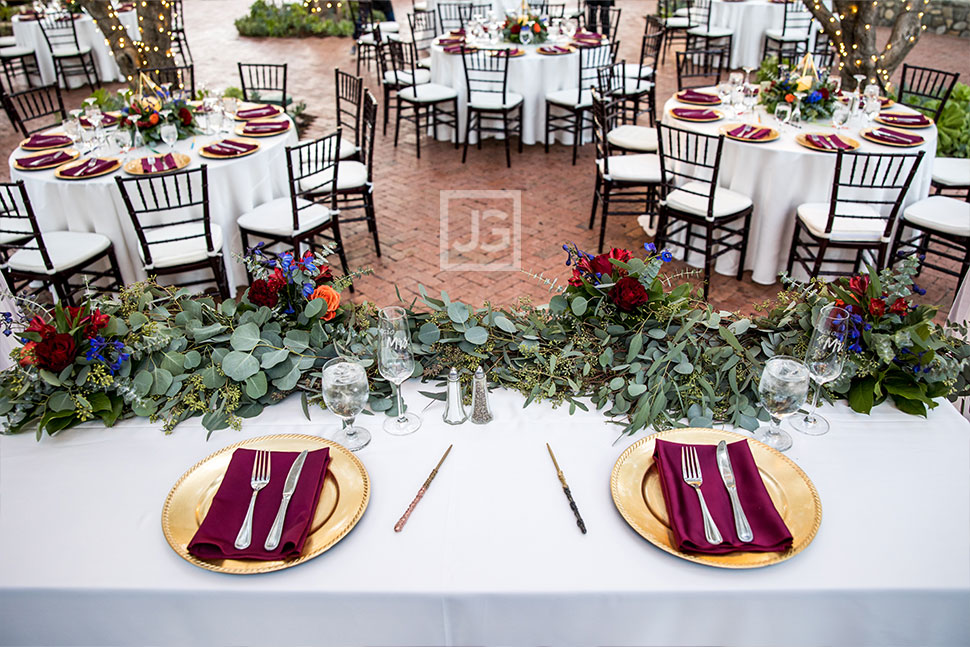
[(428, 93), (635, 71), (683, 11), (951, 171), (789, 37), (568, 97), (726, 202), (366, 39), (424, 63), (632, 168), (420, 6), (404, 78), (678, 22), (633, 138), (181, 252), (347, 149), (389, 27), (14, 52), (815, 216), (350, 175), (632, 87), (276, 217), (67, 250), (68, 52), (10, 226), (713, 32), (8, 41), (493, 100), (940, 213)]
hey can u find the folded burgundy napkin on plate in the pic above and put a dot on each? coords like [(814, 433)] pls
[(256, 113), (895, 137), (216, 537), (904, 119), (591, 35), (553, 49), (86, 168), (684, 509), (697, 97), (750, 132), (456, 49), (106, 120), (45, 159), (828, 142), (694, 113), (450, 41), (45, 141), (457, 32), (157, 164), (513, 51), (266, 127), (229, 147)]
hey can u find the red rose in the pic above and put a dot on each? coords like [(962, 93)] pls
[(628, 294), (56, 352), (825, 93), (40, 326), (577, 278), (185, 116), (899, 306), (261, 293), (601, 264), (325, 275), (515, 28), (859, 284), (877, 307)]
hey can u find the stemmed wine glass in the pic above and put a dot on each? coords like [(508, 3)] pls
[(783, 389), (796, 115), (345, 392), (170, 135), (840, 115), (859, 78), (72, 128), (569, 27), (782, 113), (747, 73), (824, 359), (122, 139), (396, 363)]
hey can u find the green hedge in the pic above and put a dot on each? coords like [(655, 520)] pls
[(289, 20)]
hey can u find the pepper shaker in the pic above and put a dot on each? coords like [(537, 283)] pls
[(481, 411), (454, 408)]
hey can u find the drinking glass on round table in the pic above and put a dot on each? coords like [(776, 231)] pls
[(122, 139), (782, 112), (344, 384), (824, 359), (170, 135), (525, 36), (783, 390), (396, 363), (72, 128)]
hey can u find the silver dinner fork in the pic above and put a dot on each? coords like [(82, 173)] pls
[(691, 468), (260, 478)]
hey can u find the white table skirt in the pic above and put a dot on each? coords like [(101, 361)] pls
[(492, 555), (780, 175), (531, 75), (236, 186), (29, 34)]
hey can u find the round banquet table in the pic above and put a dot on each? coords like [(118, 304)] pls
[(531, 75), (29, 34), (236, 186), (780, 175), (749, 19)]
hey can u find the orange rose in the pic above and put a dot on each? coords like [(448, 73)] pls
[(790, 98), (331, 296), (536, 27), (153, 119)]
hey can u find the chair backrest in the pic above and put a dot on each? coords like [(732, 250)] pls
[(35, 109), (926, 89), (592, 59), (601, 18), (550, 9), (798, 19), (452, 16), (424, 28), (876, 180), (403, 58), (689, 158), (699, 12), (605, 118), (368, 132), (59, 30), (653, 25), (350, 94), (159, 204), (264, 79), (667, 8), (178, 17), (178, 77), (486, 76), (790, 58), (312, 168), (698, 68), (650, 46), (18, 225)]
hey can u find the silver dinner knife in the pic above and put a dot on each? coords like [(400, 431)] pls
[(727, 475), (273, 539)]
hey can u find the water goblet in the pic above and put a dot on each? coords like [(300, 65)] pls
[(122, 139), (782, 112), (747, 73), (872, 91), (823, 358), (840, 115), (88, 143), (396, 363), (72, 128), (859, 78), (170, 135), (344, 385), (871, 107), (736, 79), (783, 389), (569, 27), (216, 120), (749, 98)]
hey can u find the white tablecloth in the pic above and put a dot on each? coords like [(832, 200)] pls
[(531, 75), (749, 20), (29, 34), (236, 186), (780, 175), (492, 555)]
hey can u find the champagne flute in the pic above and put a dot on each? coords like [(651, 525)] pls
[(859, 78), (783, 390), (396, 363), (824, 359), (345, 391), (747, 73)]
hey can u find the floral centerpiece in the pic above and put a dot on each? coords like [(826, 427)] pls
[(514, 25), (815, 90), (148, 110)]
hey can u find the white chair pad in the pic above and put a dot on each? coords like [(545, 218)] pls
[(428, 93), (633, 138), (683, 12), (12, 225), (568, 97), (788, 37), (272, 96), (678, 22), (632, 168), (181, 252), (493, 101), (420, 6), (815, 216), (14, 52), (404, 78), (726, 202), (425, 63), (67, 250), (347, 149), (633, 87), (951, 171), (635, 71), (350, 175), (713, 32), (276, 217), (366, 39), (389, 27), (68, 52), (940, 213), (8, 41)]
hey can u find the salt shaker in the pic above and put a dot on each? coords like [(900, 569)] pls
[(454, 409), (481, 412)]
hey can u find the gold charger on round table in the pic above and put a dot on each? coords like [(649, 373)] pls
[(635, 485), (133, 167), (72, 153), (770, 137), (346, 491), (803, 140)]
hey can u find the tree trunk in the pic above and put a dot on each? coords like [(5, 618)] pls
[(154, 48), (851, 26)]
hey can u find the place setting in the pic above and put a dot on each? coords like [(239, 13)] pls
[(827, 143), (749, 133), (46, 160), (258, 128), (229, 148), (696, 97), (88, 168), (46, 141), (158, 164), (259, 112), (892, 137), (904, 120), (700, 115)]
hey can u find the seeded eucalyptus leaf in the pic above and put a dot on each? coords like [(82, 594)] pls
[(429, 333), (256, 385), (163, 380), (578, 305), (458, 312), (245, 337), (273, 357), (476, 335)]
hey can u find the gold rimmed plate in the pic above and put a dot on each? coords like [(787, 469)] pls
[(72, 152), (770, 137), (545, 51), (277, 111), (346, 492), (503, 52), (69, 142), (868, 135), (635, 485), (802, 139), (59, 173), (204, 153), (241, 129), (887, 120), (718, 115), (716, 99), (134, 166)]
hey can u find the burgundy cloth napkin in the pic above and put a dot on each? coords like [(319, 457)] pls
[(514, 51), (88, 168), (266, 127), (589, 35), (895, 137), (157, 164), (216, 537), (457, 32), (684, 509), (257, 113), (47, 141), (457, 49), (694, 113), (46, 159), (757, 133), (697, 97), (553, 49), (828, 142), (229, 147), (450, 41), (106, 120), (904, 119)]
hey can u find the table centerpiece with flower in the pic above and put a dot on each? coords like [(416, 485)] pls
[(808, 89), (514, 25), (153, 106)]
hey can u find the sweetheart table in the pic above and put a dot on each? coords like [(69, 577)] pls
[(492, 555)]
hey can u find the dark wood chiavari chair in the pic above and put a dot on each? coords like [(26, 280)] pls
[(433, 103), (178, 77), (795, 32), (699, 68), (350, 100), (705, 35), (355, 179), (623, 136), (489, 97), (926, 89), (264, 82), (180, 43), (676, 18), (70, 58), (35, 109)]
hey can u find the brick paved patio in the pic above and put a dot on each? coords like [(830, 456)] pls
[(555, 196)]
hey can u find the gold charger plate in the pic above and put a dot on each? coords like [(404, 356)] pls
[(73, 152), (569, 50), (501, 52), (203, 153), (708, 104), (111, 169), (278, 112), (896, 124), (724, 130), (240, 130), (115, 115), (181, 161), (884, 102), (802, 139), (45, 148), (635, 485), (720, 115), (867, 134), (346, 491)]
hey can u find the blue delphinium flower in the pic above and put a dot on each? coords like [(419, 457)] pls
[(666, 256), (650, 247), (918, 290), (855, 348), (307, 289), (814, 97)]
